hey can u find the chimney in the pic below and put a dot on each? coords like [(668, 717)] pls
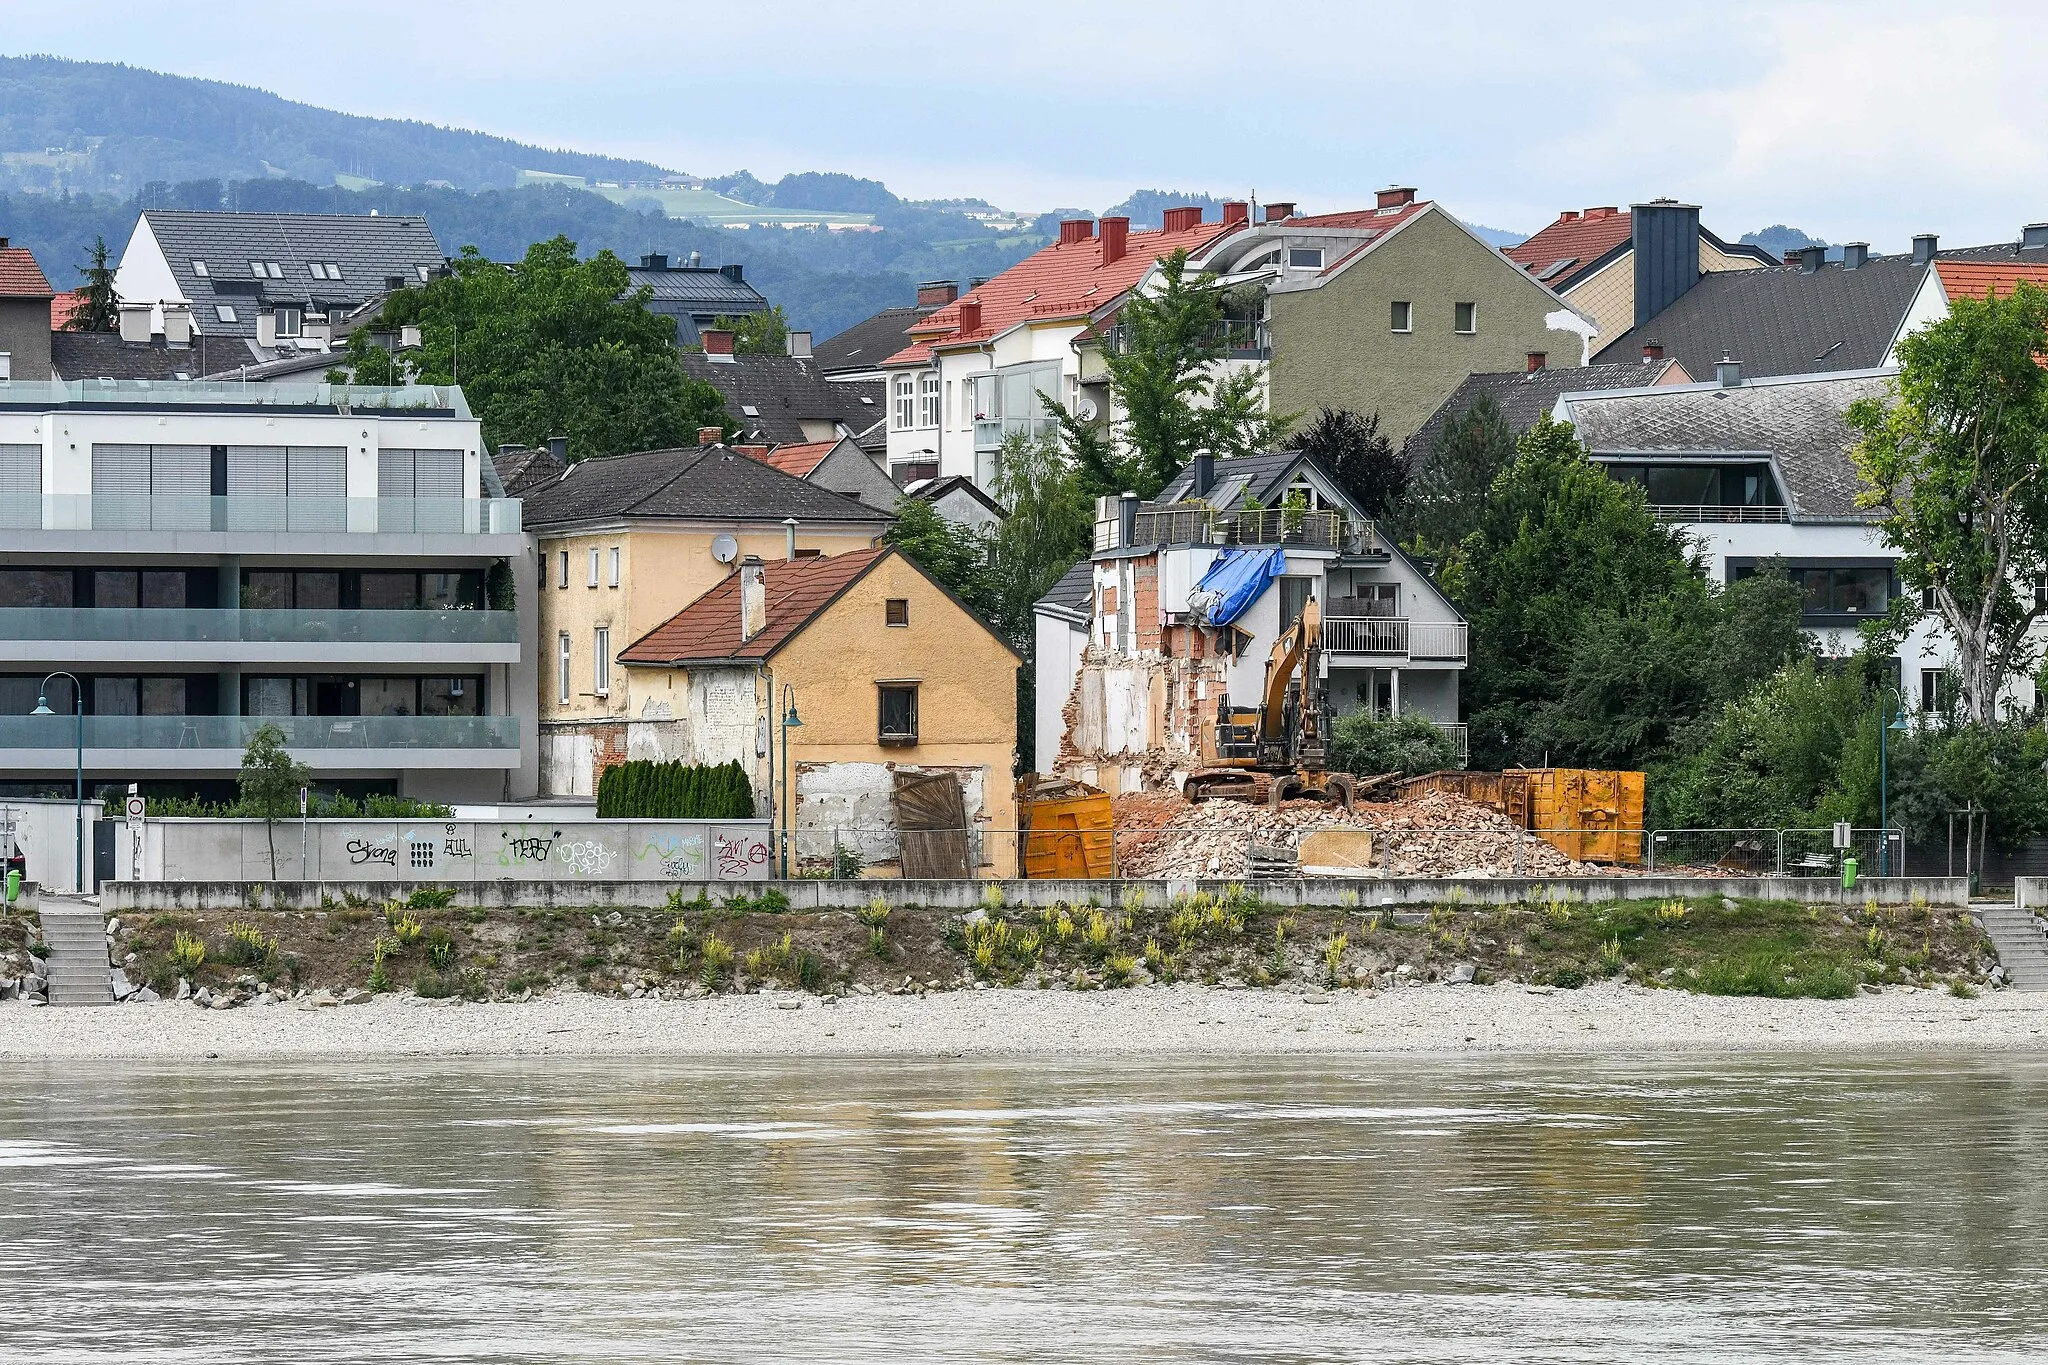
[(1126, 521), (736, 273), (3, 244), (1394, 197), (1855, 255), (1652, 351), (1791, 255), (135, 322), (709, 436), (1076, 230), (409, 337), (696, 259), (1666, 236), (1812, 258), (1204, 475), (1536, 359), (2033, 236), (1236, 212), (1728, 372), (753, 597), (753, 451), (937, 293), (654, 260), (1594, 215), (717, 342), (800, 345), (1925, 245), (1184, 219), (1568, 216), (970, 316), (1279, 213), (558, 449), (1116, 233), (789, 525), (177, 325), (975, 282)]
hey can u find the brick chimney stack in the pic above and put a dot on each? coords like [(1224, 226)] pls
[(1116, 234)]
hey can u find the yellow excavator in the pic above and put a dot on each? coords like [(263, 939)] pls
[(1275, 752)]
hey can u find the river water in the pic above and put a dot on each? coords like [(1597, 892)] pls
[(1626, 1209)]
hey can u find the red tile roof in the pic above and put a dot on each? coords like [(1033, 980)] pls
[(63, 306), (799, 460), (1361, 218), (21, 277), (1065, 280), (709, 628), (1580, 237), (1980, 278)]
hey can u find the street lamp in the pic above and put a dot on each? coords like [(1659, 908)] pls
[(1890, 718), (78, 807), (790, 721)]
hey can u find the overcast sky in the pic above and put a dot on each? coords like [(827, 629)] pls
[(1869, 120)]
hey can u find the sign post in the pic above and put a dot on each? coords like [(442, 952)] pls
[(303, 876)]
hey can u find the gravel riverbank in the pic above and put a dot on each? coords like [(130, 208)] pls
[(1162, 1021)]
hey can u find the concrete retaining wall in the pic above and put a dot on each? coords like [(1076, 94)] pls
[(965, 895)]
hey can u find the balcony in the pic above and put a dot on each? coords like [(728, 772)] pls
[(1716, 513), (1394, 639), (225, 635), (126, 514), (203, 743), (1236, 338), (1197, 523)]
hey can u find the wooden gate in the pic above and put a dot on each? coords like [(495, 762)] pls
[(931, 816)]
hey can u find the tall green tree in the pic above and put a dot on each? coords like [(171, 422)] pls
[(1049, 529), (270, 780), (1957, 468), (99, 309), (764, 333), (551, 346), (1451, 477), (955, 555), (1354, 449)]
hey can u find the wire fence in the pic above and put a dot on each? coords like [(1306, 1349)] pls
[(984, 852)]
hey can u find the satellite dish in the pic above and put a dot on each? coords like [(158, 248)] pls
[(1085, 409), (724, 548)]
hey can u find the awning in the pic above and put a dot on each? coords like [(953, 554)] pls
[(1237, 578)]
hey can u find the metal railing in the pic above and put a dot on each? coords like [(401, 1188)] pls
[(1198, 523), (195, 512), (1714, 512), (1394, 637), (1461, 737), (1777, 852), (424, 626), (58, 732), (1241, 338)]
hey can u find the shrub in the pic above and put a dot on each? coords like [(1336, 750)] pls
[(249, 946), (440, 948), (717, 963), (188, 953), (875, 914), (1367, 745), (406, 929), (430, 897), (641, 789)]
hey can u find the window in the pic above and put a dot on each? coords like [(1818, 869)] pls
[(389, 591), (224, 311), (1404, 316), (896, 612), (612, 576), (928, 401), (593, 566), (451, 696), (256, 270), (287, 322), (905, 403), (333, 271), (6, 366), (1465, 318), (1294, 595), (273, 270), (1934, 689), (199, 269), (1305, 258), (2040, 590), (452, 591), (601, 665), (1845, 592), (163, 696), (387, 696), (565, 570), (35, 587), (317, 270), (562, 669), (423, 273), (898, 714)]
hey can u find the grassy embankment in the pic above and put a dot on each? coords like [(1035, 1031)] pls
[(1707, 944)]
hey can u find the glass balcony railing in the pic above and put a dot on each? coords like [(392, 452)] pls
[(202, 624), (174, 512), (233, 732), (438, 399)]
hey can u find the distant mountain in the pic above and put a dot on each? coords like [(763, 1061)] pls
[(1779, 239), (98, 126), (1499, 237)]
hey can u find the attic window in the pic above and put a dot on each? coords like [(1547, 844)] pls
[(199, 269), (1465, 318), (750, 410), (896, 611), (1305, 258), (224, 311), (333, 271), (1403, 316), (423, 273), (318, 270)]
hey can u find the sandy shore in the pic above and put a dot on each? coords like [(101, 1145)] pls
[(1171, 1021)]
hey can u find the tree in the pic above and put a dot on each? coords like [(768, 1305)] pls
[(1049, 529), (955, 555), (1957, 468), (1352, 447), (1369, 745), (270, 781), (1159, 359), (546, 347), (765, 333), (98, 310), (1451, 477)]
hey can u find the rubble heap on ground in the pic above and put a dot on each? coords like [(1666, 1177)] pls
[(1433, 834)]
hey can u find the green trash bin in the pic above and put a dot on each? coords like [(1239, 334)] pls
[(13, 885), (1849, 866)]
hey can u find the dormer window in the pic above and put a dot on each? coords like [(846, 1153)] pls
[(424, 271), (1305, 258), (287, 322)]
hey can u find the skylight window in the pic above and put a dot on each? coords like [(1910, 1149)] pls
[(423, 273), (1558, 267), (224, 311), (275, 270), (750, 410), (319, 271), (255, 270), (199, 269), (333, 271)]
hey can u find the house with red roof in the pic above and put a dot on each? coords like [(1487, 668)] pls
[(1606, 260), (25, 297), (865, 699)]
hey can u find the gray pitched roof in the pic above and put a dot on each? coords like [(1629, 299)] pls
[(711, 483), (103, 355), (784, 392), (1525, 395), (1264, 477), (1798, 422), (866, 344), (704, 289), (368, 249), (1073, 596), (521, 467)]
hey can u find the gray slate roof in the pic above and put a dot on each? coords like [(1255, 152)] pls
[(103, 355), (521, 467), (865, 345), (1264, 477), (705, 289), (784, 392), (1074, 595), (368, 249), (708, 483), (1798, 422), (1525, 395)]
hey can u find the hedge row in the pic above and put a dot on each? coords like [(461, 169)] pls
[(644, 790)]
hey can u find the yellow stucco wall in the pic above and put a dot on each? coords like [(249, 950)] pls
[(661, 571), (1335, 345)]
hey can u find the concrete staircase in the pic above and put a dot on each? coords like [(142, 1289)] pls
[(77, 967), (2021, 942)]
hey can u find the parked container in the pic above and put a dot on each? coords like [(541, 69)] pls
[(1069, 831)]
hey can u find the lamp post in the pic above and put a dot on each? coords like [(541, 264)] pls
[(1891, 716), (790, 721), (78, 794)]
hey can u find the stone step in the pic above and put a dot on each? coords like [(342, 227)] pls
[(77, 967), (2021, 942)]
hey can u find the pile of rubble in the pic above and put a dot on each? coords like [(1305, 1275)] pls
[(1433, 834)]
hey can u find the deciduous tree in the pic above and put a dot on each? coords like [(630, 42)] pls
[(270, 780)]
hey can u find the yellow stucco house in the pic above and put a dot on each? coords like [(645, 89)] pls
[(904, 703), (626, 542)]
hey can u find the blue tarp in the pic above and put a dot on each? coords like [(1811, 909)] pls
[(1237, 577)]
